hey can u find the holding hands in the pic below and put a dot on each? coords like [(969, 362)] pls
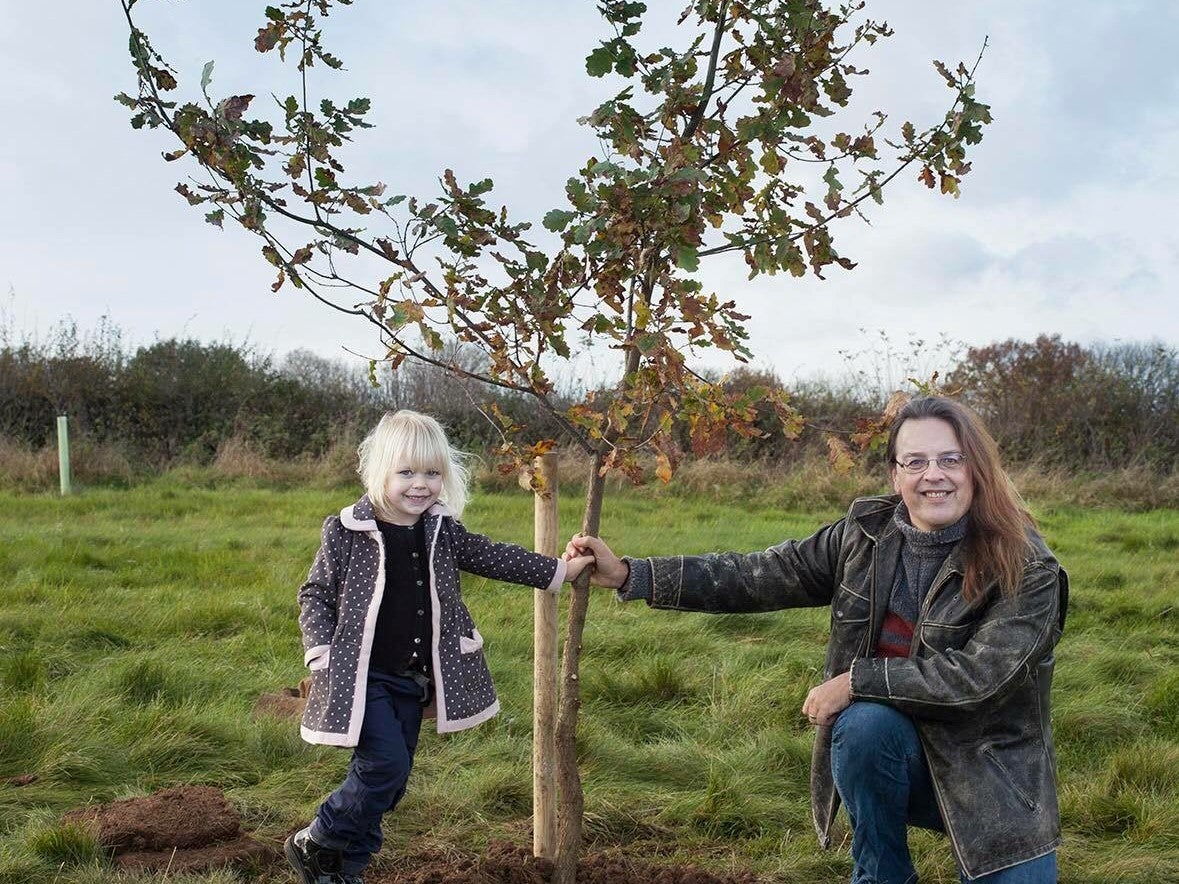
[(609, 570), (575, 564)]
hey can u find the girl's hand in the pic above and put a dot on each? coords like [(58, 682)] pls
[(609, 570), (574, 565)]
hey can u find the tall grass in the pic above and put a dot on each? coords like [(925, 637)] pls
[(138, 626)]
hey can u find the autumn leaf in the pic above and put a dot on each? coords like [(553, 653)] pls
[(839, 455), (268, 37), (663, 467), (233, 107), (194, 199), (895, 403)]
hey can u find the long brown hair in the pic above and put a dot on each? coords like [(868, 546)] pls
[(996, 543)]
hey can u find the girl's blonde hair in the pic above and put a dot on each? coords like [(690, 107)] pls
[(409, 439)]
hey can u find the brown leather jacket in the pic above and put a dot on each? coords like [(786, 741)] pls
[(976, 684)]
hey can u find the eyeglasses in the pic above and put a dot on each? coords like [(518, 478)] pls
[(947, 463)]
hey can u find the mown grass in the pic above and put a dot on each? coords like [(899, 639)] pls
[(138, 626)]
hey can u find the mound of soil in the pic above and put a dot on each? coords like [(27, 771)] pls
[(185, 828), (505, 863), (287, 703)]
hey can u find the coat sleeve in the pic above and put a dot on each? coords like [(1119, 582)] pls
[(477, 554), (319, 594), (793, 574), (1011, 638)]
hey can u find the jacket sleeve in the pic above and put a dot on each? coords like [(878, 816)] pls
[(1011, 638), (478, 554), (319, 593), (793, 574)]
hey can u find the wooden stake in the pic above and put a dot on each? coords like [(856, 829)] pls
[(544, 671)]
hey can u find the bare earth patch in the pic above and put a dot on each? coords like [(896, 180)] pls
[(287, 703), (185, 828), (505, 863)]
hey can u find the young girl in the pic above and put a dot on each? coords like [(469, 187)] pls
[(386, 632)]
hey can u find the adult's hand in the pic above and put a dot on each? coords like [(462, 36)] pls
[(824, 703), (609, 570)]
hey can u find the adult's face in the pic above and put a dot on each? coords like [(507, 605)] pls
[(936, 498)]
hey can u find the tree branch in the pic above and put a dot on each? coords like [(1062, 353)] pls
[(849, 206), (710, 77)]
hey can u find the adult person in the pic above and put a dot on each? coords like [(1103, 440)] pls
[(945, 607)]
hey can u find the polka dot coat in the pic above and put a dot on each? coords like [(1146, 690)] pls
[(341, 598)]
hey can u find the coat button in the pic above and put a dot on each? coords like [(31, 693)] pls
[(839, 614)]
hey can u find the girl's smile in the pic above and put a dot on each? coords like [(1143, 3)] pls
[(410, 492)]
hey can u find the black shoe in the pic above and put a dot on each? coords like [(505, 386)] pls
[(314, 863)]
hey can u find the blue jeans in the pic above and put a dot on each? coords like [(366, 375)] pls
[(349, 820), (881, 775)]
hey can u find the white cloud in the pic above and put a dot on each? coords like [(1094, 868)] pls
[(1063, 225)]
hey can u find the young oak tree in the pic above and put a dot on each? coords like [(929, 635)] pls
[(729, 141)]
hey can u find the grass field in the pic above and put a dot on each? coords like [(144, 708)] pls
[(138, 626)]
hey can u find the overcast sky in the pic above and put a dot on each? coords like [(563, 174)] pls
[(1066, 225)]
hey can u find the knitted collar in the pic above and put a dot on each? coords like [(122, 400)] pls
[(928, 541)]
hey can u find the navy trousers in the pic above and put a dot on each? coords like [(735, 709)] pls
[(349, 820), (881, 775)]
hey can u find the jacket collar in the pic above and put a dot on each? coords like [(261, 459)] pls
[(874, 515), (361, 516)]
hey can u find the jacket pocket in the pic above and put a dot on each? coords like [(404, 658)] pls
[(469, 644), (319, 659), (1009, 779), (850, 608), (938, 638)]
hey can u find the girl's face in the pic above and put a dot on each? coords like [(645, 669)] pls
[(409, 492)]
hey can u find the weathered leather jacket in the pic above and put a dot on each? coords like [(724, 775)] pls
[(976, 684)]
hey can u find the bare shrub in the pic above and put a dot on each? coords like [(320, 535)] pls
[(1057, 403), (1137, 487), (97, 462), (337, 466), (24, 467), (35, 468), (236, 458)]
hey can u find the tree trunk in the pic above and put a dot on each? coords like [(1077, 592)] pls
[(571, 802)]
